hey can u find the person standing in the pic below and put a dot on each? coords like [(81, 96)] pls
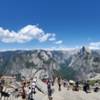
[(23, 94), (49, 90), (64, 83), (34, 85), (59, 83), (76, 86), (30, 94), (96, 86), (86, 87)]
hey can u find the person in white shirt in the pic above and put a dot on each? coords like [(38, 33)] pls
[(96, 85), (34, 85)]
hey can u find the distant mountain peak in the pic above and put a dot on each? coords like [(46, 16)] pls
[(84, 50)]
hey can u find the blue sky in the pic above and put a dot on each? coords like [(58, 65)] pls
[(28, 24)]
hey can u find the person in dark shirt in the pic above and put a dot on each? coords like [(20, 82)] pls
[(86, 87), (49, 90), (59, 83)]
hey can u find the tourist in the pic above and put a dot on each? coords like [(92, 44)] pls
[(59, 83), (76, 86), (64, 83), (34, 85), (30, 94), (86, 87), (96, 85), (23, 94), (53, 80), (49, 90)]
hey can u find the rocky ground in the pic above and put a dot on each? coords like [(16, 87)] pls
[(64, 94), (72, 95)]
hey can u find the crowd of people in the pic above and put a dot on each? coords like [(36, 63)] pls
[(72, 85), (27, 90)]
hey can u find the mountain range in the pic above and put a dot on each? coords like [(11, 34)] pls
[(76, 64)]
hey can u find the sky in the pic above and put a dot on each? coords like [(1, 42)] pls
[(49, 24)]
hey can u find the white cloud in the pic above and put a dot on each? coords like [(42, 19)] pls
[(94, 45), (45, 37), (59, 42), (27, 33), (53, 37)]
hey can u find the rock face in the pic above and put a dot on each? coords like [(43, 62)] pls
[(75, 64), (86, 62), (26, 62)]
